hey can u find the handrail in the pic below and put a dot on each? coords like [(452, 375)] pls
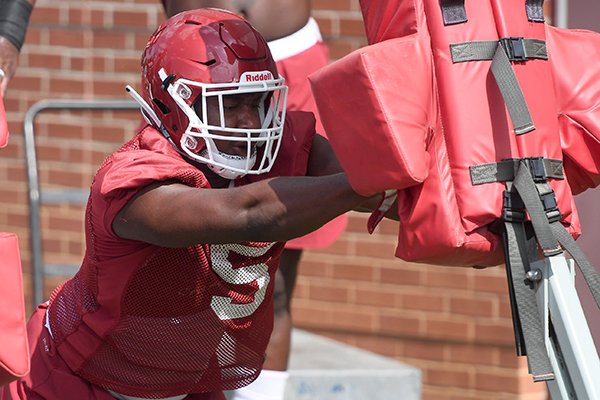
[(32, 172)]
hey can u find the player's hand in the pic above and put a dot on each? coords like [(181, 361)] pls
[(9, 56)]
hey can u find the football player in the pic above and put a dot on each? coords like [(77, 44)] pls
[(185, 225)]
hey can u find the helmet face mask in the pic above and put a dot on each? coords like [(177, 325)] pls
[(201, 138), (193, 66)]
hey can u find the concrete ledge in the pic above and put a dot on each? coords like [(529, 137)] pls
[(324, 369)]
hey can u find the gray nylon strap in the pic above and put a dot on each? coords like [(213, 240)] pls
[(485, 50), (524, 294), (535, 48), (530, 195), (505, 170), (535, 10), (591, 275), (511, 92), (453, 11), (473, 51), (498, 52)]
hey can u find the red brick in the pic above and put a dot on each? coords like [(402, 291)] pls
[(425, 350), (65, 85), (46, 60), (109, 88), (376, 296), (449, 328), (34, 36), (475, 306), (29, 83), (98, 18), (423, 301), (353, 272), (109, 40), (337, 5), (107, 133), (130, 19), (127, 64), (78, 16), (338, 49), (312, 268), (401, 276), (67, 38), (490, 281), (328, 292), (66, 178), (473, 354), (140, 39), (49, 152), (497, 382), (325, 26), (45, 14), (381, 345), (453, 377), (351, 27), (498, 333), (446, 277), (335, 317), (400, 324)]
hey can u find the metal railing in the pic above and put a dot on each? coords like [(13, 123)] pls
[(38, 197)]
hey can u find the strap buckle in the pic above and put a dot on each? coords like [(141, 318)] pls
[(551, 207), (514, 48), (513, 208), (537, 169)]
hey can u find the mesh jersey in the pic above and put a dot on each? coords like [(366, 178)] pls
[(153, 322)]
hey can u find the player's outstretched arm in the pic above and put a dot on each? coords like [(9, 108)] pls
[(276, 209)]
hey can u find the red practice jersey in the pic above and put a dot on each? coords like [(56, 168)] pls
[(150, 321)]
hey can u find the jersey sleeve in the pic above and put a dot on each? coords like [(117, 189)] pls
[(124, 175)]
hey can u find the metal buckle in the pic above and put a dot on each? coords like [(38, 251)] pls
[(514, 48)]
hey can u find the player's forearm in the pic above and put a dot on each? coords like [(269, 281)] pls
[(277, 209), (14, 20), (272, 210), (285, 208)]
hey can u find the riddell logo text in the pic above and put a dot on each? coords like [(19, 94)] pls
[(257, 77)]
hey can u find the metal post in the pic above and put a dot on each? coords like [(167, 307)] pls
[(34, 195), (569, 342)]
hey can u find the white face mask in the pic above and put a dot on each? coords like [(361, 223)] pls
[(262, 144)]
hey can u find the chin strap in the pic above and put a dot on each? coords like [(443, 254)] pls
[(385, 203)]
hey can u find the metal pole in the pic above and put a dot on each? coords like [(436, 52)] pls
[(561, 13), (32, 173)]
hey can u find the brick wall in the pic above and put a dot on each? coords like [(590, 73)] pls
[(454, 324)]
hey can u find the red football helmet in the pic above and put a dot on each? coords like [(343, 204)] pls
[(205, 53)]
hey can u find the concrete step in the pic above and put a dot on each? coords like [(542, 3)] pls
[(325, 369)]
